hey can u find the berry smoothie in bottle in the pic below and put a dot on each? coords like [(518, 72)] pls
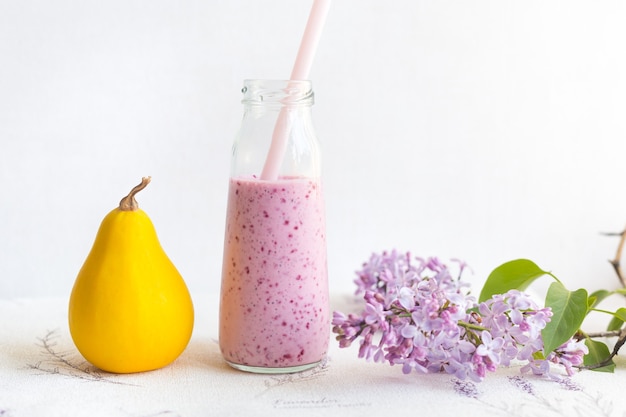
[(274, 307), (274, 310)]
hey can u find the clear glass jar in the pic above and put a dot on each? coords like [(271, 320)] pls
[(274, 307)]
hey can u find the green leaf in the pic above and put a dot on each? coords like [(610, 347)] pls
[(619, 317), (569, 309), (597, 297), (615, 324), (517, 274), (598, 352), (621, 313), (591, 301)]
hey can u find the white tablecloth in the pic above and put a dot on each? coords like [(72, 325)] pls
[(42, 374)]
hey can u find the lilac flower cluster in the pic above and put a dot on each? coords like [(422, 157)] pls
[(419, 316)]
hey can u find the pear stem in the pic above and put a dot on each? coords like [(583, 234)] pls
[(129, 203)]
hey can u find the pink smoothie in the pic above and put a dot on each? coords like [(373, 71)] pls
[(274, 310)]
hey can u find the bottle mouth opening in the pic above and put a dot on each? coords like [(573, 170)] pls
[(277, 92)]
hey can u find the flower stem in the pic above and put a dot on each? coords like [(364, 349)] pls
[(471, 326)]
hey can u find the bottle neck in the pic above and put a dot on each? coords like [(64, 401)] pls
[(276, 131)]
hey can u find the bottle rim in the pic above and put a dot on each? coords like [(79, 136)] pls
[(266, 92)]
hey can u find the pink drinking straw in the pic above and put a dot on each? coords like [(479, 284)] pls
[(301, 69)]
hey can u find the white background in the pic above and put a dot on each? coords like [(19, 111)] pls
[(482, 130)]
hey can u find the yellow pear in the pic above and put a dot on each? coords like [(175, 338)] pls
[(130, 310)]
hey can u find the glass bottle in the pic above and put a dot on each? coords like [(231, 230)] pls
[(274, 307)]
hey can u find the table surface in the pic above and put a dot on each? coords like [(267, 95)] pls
[(42, 374)]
